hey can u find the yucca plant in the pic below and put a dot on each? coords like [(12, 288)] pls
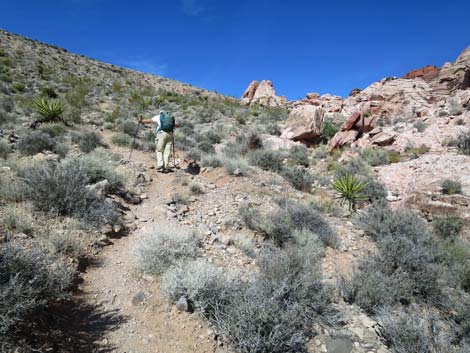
[(349, 190), (49, 109)]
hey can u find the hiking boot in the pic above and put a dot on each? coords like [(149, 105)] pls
[(161, 170)]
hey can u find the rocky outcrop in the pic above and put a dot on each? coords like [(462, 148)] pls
[(276, 143), (393, 97), (329, 103), (305, 124), (454, 76), (357, 124), (262, 93), (427, 73)]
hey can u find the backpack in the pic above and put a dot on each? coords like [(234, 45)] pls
[(167, 122)]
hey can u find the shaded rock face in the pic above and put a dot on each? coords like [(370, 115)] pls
[(454, 76), (427, 73), (305, 124), (262, 93)]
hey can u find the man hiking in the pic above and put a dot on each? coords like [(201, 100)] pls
[(165, 124)]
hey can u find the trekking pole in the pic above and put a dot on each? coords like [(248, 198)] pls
[(174, 156), (135, 135)]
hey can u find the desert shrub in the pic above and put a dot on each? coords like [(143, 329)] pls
[(17, 220), (420, 125), (329, 130), (100, 167), (89, 140), (299, 177), (29, 279), (463, 143), (61, 149), (379, 222), (48, 92), (129, 127), (274, 311), (454, 106), (204, 285), (298, 155), (271, 312), (5, 149), (253, 141), (415, 331), (406, 267), (196, 189), (62, 189), (394, 156), (205, 146), (235, 166), (373, 190), (451, 187), (165, 248), (282, 225), (54, 129), (66, 243), (211, 160), (356, 166), (447, 227), (320, 152), (415, 152), (34, 142), (265, 159), (375, 156), (121, 140)]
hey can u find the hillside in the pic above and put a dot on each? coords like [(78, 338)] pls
[(248, 245)]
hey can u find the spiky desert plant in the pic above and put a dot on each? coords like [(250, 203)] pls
[(49, 109), (349, 190)]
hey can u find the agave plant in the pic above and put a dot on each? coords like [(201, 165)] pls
[(349, 190), (49, 109)]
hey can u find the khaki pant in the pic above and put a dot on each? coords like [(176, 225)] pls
[(164, 144)]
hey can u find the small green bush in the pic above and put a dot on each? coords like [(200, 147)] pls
[(16, 220), (34, 142), (129, 127), (235, 166), (5, 149), (447, 227), (329, 130), (121, 140), (376, 156), (298, 155), (463, 143), (451, 187), (420, 125), (165, 248), (19, 87), (265, 159), (211, 160), (299, 177), (89, 140)]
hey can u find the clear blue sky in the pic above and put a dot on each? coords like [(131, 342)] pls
[(302, 46)]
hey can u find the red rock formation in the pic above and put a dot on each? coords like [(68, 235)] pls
[(427, 73)]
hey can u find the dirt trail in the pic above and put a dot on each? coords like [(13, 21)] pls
[(148, 324)]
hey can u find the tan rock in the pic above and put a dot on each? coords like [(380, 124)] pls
[(276, 143), (305, 123), (262, 93), (383, 139), (342, 138), (454, 76)]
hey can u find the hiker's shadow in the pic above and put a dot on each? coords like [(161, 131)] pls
[(71, 327)]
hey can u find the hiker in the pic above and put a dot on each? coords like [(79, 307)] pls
[(165, 124)]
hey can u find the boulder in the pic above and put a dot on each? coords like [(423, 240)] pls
[(383, 139), (350, 122), (305, 124), (342, 138), (275, 143)]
